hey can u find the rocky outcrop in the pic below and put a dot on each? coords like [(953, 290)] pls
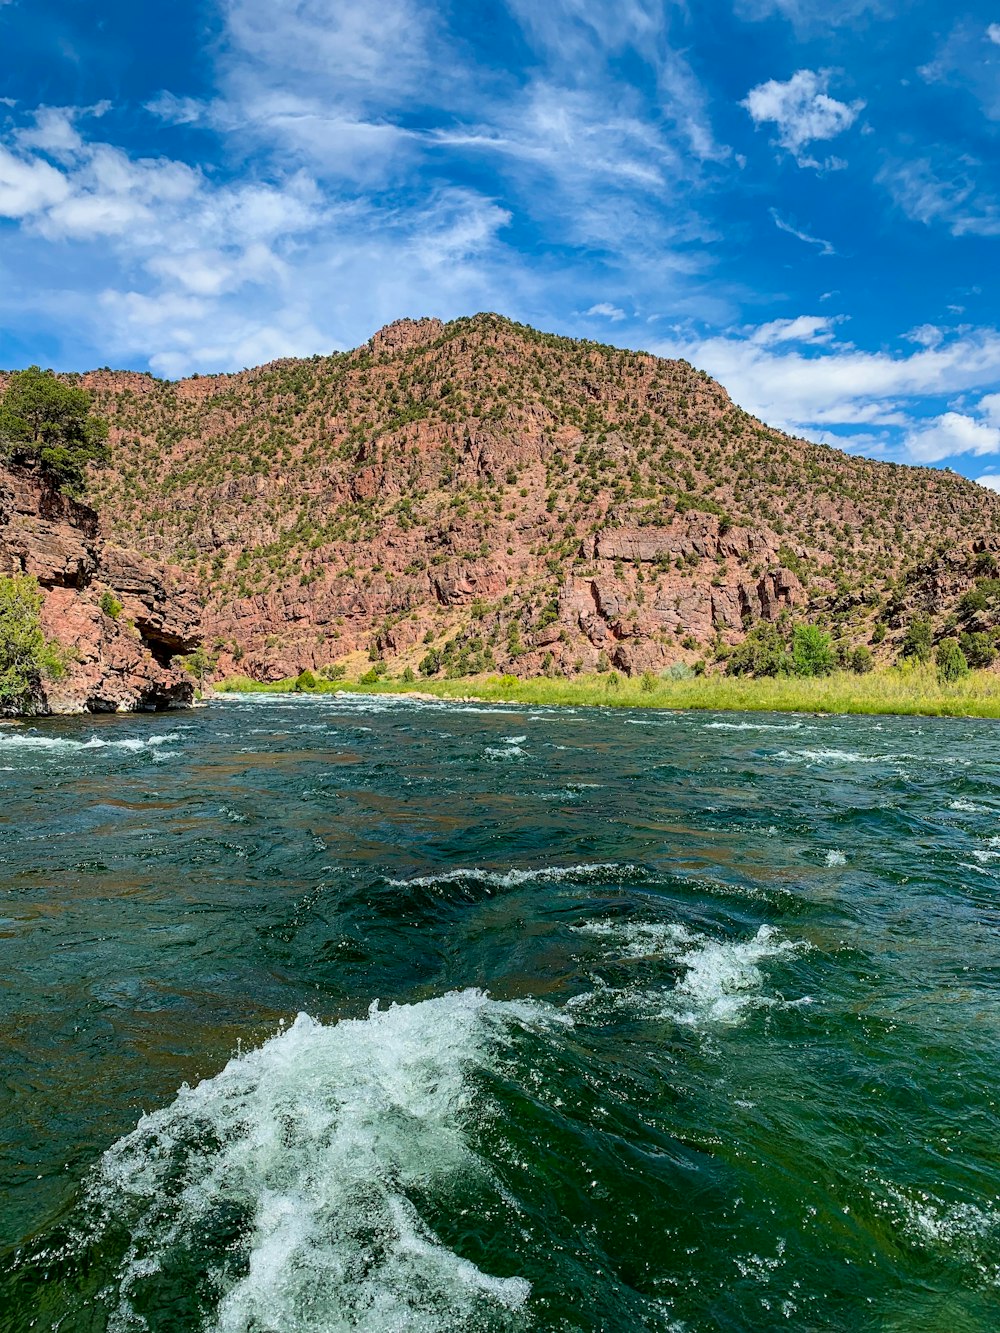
[(120, 616)]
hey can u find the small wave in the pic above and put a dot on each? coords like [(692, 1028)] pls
[(833, 756), (722, 980), (292, 1182), (966, 1229), (640, 939), (512, 748), (602, 873), (31, 740), (753, 726)]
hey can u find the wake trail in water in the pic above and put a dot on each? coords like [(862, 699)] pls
[(288, 1186)]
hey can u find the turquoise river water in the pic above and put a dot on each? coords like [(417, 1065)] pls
[(323, 1014)]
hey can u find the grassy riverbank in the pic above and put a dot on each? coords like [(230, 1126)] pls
[(915, 690)]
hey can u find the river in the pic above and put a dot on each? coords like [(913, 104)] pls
[(326, 1014)]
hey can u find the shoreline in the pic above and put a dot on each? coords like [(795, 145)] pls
[(900, 692)]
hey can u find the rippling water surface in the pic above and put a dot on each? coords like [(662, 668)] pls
[(333, 1014)]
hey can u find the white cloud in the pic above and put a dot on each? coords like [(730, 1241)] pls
[(950, 434), (607, 311), (801, 329), (813, 388), (28, 185), (360, 53), (582, 40), (53, 132), (802, 110), (926, 335)]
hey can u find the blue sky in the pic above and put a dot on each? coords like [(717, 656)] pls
[(801, 196)]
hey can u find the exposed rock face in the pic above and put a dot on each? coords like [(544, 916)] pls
[(119, 663)]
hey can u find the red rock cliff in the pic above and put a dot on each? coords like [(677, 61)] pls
[(120, 662)]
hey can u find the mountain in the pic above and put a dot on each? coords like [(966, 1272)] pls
[(478, 494)]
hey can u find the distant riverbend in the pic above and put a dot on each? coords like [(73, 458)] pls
[(331, 1013)]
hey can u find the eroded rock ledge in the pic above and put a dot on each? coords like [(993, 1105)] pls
[(121, 662)]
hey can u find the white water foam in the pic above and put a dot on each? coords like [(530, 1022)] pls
[(723, 980), (15, 739), (833, 756), (315, 1144), (962, 1228), (513, 748), (601, 873), (640, 939)]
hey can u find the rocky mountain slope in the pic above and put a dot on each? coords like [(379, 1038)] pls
[(478, 494), (122, 616)]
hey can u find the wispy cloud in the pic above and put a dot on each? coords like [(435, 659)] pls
[(825, 247), (950, 194), (808, 16), (968, 59)]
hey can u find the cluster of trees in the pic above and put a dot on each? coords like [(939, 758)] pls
[(48, 422), (457, 658), (954, 656), (27, 657), (783, 649)]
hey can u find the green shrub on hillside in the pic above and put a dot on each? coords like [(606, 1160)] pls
[(812, 651), (199, 663), (979, 648), (27, 658), (767, 651), (951, 661), (861, 660), (762, 653), (918, 639), (110, 604)]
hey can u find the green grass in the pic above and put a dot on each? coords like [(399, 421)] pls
[(901, 690)]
